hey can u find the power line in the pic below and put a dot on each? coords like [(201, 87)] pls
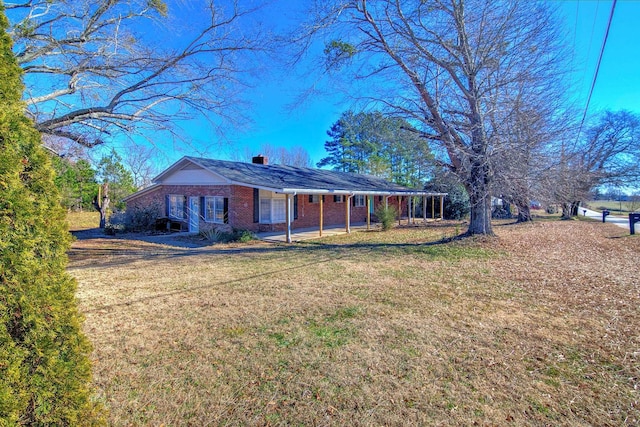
[(595, 75)]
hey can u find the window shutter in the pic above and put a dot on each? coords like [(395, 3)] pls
[(310, 198), (353, 201), (226, 210), (166, 205), (185, 207), (256, 205), (323, 198), (295, 207), (335, 199)]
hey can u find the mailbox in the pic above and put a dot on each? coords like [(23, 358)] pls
[(604, 214), (633, 218)]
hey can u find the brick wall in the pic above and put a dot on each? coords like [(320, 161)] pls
[(241, 206)]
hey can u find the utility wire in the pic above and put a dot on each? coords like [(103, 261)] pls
[(595, 75)]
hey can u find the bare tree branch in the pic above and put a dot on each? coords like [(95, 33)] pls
[(93, 73)]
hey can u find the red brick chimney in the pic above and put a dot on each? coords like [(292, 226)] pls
[(260, 160)]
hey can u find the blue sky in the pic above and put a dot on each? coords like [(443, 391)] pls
[(617, 87), (618, 84), (274, 123)]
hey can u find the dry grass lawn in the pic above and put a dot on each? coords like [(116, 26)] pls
[(83, 220), (538, 326)]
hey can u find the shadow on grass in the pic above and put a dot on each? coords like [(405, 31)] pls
[(322, 253), (109, 251)]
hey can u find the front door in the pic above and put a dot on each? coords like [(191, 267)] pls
[(194, 214)]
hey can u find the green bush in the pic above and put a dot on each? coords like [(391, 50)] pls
[(235, 235), (244, 236), (386, 216), (44, 365)]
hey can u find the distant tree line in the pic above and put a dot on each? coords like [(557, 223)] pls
[(377, 144), (78, 181)]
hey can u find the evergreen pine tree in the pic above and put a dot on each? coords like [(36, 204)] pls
[(44, 366)]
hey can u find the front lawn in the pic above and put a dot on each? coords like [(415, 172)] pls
[(538, 326)]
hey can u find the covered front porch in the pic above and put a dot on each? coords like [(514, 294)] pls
[(416, 203)]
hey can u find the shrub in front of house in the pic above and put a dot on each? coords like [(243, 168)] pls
[(139, 218), (219, 235), (386, 216)]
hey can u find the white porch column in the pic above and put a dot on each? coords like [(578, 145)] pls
[(409, 199), (441, 207), (288, 216)]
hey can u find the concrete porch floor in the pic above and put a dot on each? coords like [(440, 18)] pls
[(301, 234)]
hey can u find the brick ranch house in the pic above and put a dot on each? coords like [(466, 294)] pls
[(196, 194)]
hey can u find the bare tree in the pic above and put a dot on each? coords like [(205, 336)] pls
[(101, 69), (295, 156), (448, 65), (141, 161), (607, 154), (524, 161)]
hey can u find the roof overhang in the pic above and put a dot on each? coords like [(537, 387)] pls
[(157, 182), (141, 192)]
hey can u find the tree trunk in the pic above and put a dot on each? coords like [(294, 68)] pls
[(574, 208), (566, 211), (480, 212), (101, 203), (524, 213), (479, 198)]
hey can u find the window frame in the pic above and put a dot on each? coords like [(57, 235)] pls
[(172, 200), (360, 201), (218, 205), (276, 205)]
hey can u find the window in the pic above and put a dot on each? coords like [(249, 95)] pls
[(214, 209), (273, 211), (278, 210), (265, 211), (360, 201), (314, 198), (176, 206), (338, 199)]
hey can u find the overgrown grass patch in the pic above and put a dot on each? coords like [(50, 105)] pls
[(536, 326)]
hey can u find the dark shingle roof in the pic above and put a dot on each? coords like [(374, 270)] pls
[(279, 177)]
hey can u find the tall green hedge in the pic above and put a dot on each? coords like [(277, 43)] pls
[(44, 366)]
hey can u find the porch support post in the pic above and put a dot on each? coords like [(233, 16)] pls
[(321, 197), (399, 210), (347, 214), (433, 208), (441, 207), (386, 202), (424, 208), (288, 216), (368, 212), (409, 209)]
